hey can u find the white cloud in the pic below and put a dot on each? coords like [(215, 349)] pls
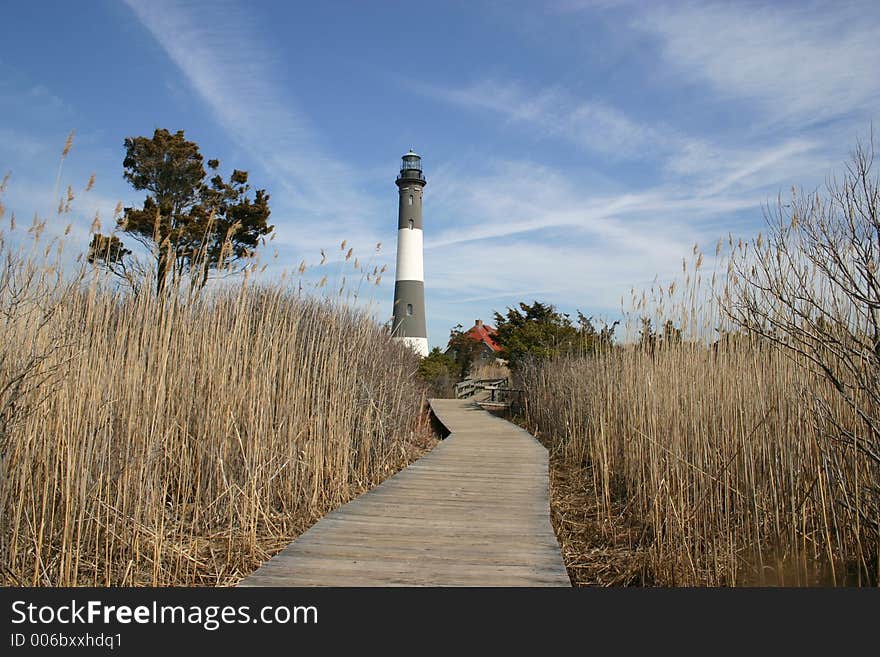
[(22, 145), (706, 166), (803, 63), (759, 167), (521, 198), (591, 124), (227, 61), (528, 230), (540, 235)]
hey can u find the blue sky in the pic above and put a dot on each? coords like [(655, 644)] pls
[(573, 150)]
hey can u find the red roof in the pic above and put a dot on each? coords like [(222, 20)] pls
[(483, 333)]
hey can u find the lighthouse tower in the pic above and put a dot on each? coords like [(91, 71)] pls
[(409, 286)]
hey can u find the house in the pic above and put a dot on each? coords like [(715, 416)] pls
[(484, 336)]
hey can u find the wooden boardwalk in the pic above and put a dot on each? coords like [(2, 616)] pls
[(472, 512)]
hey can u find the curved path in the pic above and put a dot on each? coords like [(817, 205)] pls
[(473, 512)]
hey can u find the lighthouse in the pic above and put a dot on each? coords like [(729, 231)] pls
[(409, 282)]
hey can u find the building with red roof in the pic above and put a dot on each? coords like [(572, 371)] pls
[(484, 335)]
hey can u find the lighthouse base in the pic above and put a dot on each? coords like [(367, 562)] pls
[(418, 345)]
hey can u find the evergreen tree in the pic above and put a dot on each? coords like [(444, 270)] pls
[(190, 225)]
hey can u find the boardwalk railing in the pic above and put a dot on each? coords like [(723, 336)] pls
[(501, 395), (465, 389), (470, 387)]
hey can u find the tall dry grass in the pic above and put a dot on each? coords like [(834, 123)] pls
[(494, 369), (179, 442), (713, 450)]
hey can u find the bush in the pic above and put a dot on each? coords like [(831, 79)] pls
[(439, 371)]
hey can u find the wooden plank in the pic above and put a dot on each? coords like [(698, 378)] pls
[(473, 512)]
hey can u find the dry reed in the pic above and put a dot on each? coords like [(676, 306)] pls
[(181, 441), (714, 450), (494, 369)]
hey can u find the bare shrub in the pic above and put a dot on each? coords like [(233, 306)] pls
[(812, 288)]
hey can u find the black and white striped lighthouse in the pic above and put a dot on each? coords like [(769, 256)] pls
[(409, 286)]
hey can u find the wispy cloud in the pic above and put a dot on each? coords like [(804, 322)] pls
[(802, 63), (597, 126), (554, 112), (529, 230), (748, 168), (228, 62), (539, 231), (22, 144), (524, 198)]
